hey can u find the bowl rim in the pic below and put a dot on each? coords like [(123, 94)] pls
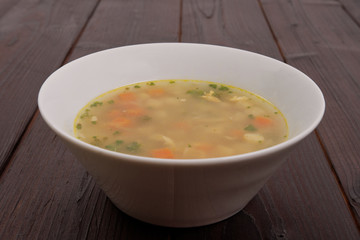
[(193, 161)]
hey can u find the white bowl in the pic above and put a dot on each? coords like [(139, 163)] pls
[(180, 193)]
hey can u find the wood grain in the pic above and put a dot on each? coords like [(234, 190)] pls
[(119, 23), (38, 188), (291, 198), (325, 45), (239, 24), (353, 8), (35, 37)]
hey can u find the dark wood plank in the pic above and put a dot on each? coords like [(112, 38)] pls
[(324, 43), (237, 24), (6, 5), (119, 23), (35, 38)]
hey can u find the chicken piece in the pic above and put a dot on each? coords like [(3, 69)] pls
[(238, 98), (254, 138), (210, 97), (168, 141)]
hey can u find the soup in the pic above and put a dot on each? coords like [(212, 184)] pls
[(181, 119)]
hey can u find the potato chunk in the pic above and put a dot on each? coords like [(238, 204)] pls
[(210, 97), (254, 138)]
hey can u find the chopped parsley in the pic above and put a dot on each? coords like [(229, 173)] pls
[(115, 146), (96, 141), (110, 101), (78, 126), (110, 147), (95, 104), (195, 92), (133, 147), (172, 81), (250, 128), (251, 116), (137, 86), (223, 88), (146, 118), (85, 114), (214, 86), (151, 83)]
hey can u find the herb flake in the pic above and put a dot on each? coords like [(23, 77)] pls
[(214, 86), (223, 88), (250, 128), (96, 141), (85, 114), (95, 104), (133, 147), (195, 92)]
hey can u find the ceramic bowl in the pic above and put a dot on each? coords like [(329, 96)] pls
[(191, 192)]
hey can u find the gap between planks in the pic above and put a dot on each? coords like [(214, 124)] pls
[(352, 17), (272, 31), (21, 138), (337, 179), (82, 30)]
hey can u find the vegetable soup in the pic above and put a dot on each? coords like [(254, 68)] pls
[(182, 119)]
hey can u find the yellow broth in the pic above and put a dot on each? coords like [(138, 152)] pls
[(182, 119)]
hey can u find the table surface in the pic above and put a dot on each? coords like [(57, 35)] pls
[(46, 194)]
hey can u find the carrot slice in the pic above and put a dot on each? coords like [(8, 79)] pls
[(120, 122), (236, 133), (205, 147), (135, 112), (263, 121), (127, 96), (156, 92), (114, 113), (182, 125), (162, 153)]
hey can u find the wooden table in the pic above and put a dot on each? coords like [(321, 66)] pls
[(46, 194)]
